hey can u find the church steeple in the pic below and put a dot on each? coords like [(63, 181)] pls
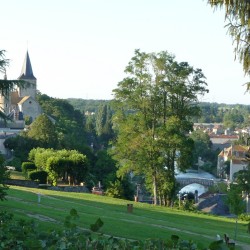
[(27, 72), (27, 76)]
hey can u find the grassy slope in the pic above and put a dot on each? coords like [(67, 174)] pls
[(146, 221)]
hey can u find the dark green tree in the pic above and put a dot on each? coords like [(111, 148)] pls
[(69, 123), (242, 177), (3, 176), (104, 169), (203, 149), (236, 203), (104, 125), (43, 130)]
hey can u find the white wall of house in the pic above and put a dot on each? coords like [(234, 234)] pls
[(234, 168)]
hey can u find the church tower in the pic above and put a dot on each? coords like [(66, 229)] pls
[(28, 76)]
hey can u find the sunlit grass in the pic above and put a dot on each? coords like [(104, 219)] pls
[(16, 175), (146, 221)]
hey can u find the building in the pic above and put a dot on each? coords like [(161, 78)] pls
[(222, 141), (21, 103), (236, 156)]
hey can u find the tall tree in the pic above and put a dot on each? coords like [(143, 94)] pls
[(153, 105), (104, 124)]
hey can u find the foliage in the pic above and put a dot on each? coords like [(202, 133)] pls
[(104, 129), (84, 106), (104, 168), (242, 178), (120, 188), (153, 106), (41, 176), (61, 163), (43, 131), (237, 13), (21, 144), (6, 86), (4, 174), (203, 148), (69, 122), (234, 200), (244, 217), (233, 118), (28, 166)]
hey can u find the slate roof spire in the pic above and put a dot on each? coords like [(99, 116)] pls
[(27, 72)]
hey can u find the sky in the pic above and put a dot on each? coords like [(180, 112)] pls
[(80, 48)]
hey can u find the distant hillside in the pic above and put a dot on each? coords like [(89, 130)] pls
[(86, 105), (210, 112)]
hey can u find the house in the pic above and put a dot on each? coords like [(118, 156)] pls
[(236, 156), (222, 141)]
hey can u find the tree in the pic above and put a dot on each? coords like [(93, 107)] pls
[(104, 124), (203, 149), (237, 14), (69, 123), (236, 204), (242, 177), (43, 131), (153, 105), (104, 169), (3, 176)]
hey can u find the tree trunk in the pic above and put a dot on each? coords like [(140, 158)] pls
[(155, 189)]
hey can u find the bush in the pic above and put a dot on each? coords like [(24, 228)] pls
[(28, 166), (41, 176), (244, 217)]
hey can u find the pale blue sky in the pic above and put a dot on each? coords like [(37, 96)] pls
[(80, 48)]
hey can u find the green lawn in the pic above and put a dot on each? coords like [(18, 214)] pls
[(16, 175), (146, 221)]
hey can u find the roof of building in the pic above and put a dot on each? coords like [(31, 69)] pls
[(228, 152), (15, 98), (27, 72), (24, 99)]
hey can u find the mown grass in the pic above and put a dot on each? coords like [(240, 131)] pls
[(146, 221), (16, 175)]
